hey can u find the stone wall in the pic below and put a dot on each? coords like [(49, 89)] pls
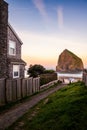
[(3, 38)]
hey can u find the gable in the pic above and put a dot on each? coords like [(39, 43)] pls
[(15, 36)]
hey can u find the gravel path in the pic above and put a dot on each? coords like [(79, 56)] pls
[(12, 115)]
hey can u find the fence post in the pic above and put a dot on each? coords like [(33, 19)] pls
[(14, 89), (38, 84), (24, 88), (34, 89), (30, 85), (2, 91), (19, 88), (9, 90)]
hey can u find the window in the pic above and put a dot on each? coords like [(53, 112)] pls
[(12, 47), (16, 71)]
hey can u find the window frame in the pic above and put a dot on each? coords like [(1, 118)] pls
[(13, 48), (16, 68)]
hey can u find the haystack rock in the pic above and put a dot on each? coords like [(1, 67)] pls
[(69, 62)]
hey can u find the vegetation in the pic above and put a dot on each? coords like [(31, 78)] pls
[(66, 109), (48, 77), (36, 70), (49, 71), (25, 99)]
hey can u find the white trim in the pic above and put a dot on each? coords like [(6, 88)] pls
[(16, 69)]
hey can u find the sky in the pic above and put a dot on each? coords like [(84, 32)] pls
[(47, 27)]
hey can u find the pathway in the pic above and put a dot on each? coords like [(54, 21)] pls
[(12, 115)]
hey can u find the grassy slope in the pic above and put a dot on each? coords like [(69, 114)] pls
[(64, 110)]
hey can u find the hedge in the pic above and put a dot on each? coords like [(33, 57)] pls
[(46, 78)]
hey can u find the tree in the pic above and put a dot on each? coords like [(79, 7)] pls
[(49, 71), (36, 70)]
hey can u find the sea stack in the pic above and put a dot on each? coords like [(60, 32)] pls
[(69, 62)]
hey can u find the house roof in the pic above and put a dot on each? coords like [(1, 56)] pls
[(16, 61), (11, 28)]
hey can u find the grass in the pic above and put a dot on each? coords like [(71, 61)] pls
[(10, 105), (66, 109)]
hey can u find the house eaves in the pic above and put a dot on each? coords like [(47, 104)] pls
[(15, 34)]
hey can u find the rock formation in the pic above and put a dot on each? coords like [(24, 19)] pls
[(69, 62)]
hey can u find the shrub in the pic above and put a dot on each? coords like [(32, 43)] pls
[(49, 71), (46, 78), (36, 70)]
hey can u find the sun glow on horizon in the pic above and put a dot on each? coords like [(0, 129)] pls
[(48, 27), (45, 49)]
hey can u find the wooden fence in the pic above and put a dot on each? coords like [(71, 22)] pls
[(16, 89), (85, 78)]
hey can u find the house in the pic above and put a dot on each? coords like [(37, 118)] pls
[(11, 64)]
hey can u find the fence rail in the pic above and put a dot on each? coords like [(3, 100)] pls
[(85, 78), (16, 89)]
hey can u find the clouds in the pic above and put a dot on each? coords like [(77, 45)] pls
[(47, 27), (39, 4), (60, 17)]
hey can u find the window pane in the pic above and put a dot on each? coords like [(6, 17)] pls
[(11, 44), (16, 71), (16, 67), (12, 51), (12, 47)]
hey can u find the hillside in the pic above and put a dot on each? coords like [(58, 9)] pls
[(64, 110), (69, 62)]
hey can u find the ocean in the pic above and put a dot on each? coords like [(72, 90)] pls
[(70, 77)]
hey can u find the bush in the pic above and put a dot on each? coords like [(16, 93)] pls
[(36, 70), (46, 78), (49, 71)]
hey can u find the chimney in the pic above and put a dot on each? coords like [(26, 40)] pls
[(3, 38)]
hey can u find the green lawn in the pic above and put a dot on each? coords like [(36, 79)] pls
[(64, 110)]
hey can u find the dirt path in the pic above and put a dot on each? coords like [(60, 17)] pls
[(12, 115)]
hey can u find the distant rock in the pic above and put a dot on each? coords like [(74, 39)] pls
[(69, 62)]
